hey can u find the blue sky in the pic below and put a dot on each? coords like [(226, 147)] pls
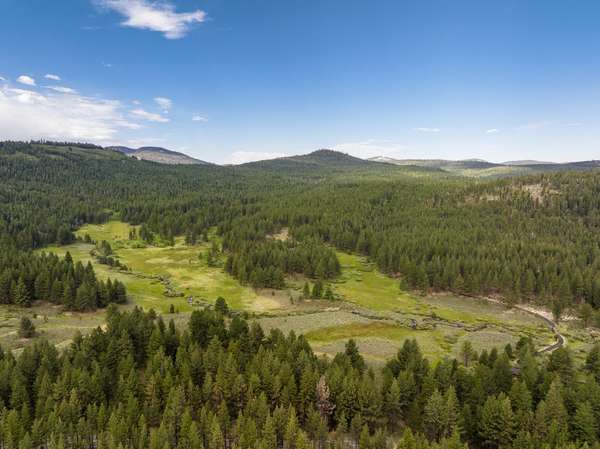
[(235, 80)]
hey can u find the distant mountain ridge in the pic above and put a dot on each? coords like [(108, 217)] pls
[(158, 154), (482, 168), (528, 162)]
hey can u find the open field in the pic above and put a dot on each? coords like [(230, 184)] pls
[(154, 269), (371, 307), (50, 322)]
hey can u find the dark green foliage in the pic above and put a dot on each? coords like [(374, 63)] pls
[(439, 233), (223, 383), (221, 306), (26, 328), (141, 383), (26, 277)]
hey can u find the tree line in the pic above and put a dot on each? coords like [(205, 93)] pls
[(222, 383), (526, 238), (29, 277)]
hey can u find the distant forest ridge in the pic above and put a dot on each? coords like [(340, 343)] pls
[(466, 167)]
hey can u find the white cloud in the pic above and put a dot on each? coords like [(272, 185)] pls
[(62, 89), (371, 148), (26, 114), (2, 79), (241, 157), (27, 80), (164, 103), (149, 116), (136, 102), (50, 76), (155, 16), (492, 131), (428, 130), (199, 118)]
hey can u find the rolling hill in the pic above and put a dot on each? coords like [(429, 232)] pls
[(481, 168), (158, 154), (319, 159)]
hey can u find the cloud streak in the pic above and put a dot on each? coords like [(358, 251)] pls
[(428, 130), (50, 76), (62, 89), (27, 80), (149, 116), (155, 16), (164, 103)]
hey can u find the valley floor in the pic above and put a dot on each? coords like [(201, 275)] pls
[(369, 306)]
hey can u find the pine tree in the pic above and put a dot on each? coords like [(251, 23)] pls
[(585, 426), (26, 328), (467, 353), (20, 294), (291, 430), (497, 422), (269, 436), (317, 290), (5, 287), (434, 416)]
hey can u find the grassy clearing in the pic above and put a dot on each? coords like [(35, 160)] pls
[(433, 343), (50, 321), (308, 322), (372, 309), (113, 231), (362, 284), (186, 272)]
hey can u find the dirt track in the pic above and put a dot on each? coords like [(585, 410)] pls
[(543, 315)]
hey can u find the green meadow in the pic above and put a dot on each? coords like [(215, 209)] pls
[(370, 306)]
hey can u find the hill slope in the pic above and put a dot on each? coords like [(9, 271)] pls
[(481, 168), (160, 155), (316, 160)]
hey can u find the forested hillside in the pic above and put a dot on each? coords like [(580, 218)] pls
[(520, 238), (218, 381), (221, 383)]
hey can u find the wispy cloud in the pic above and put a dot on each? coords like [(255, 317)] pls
[(492, 131), (50, 76), (241, 157), (27, 114), (164, 103), (155, 16), (428, 130), (62, 89), (27, 80), (371, 148), (2, 79), (199, 118), (149, 116)]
